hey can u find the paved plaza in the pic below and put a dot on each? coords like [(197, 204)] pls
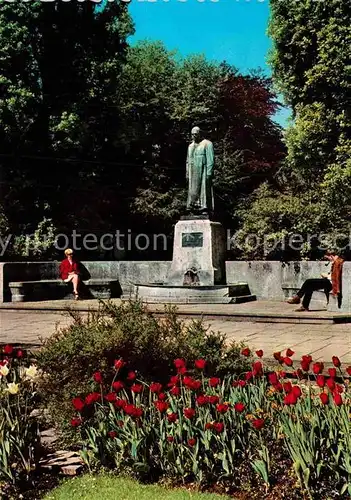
[(30, 327)]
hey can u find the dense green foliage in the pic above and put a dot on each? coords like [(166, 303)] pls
[(311, 67), (94, 132), (71, 356)]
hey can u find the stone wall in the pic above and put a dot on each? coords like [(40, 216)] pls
[(265, 278)]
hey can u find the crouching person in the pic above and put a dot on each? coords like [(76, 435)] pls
[(328, 283)]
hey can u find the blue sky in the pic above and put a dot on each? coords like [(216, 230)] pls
[(230, 30)]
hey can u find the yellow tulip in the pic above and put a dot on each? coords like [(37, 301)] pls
[(31, 372), (4, 370), (12, 388)]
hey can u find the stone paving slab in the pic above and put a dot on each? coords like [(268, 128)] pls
[(259, 311), (322, 341)]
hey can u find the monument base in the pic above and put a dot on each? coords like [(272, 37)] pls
[(197, 273), (198, 254)]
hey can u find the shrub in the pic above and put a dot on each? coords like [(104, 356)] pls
[(210, 429), (19, 433), (71, 356)]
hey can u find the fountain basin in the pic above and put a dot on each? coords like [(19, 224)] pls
[(233, 293)]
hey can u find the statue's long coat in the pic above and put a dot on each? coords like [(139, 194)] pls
[(199, 172)]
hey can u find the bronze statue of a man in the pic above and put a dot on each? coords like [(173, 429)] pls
[(199, 173)]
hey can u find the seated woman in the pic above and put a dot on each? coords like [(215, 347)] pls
[(328, 282), (69, 271)]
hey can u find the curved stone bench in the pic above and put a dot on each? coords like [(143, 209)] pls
[(98, 288)]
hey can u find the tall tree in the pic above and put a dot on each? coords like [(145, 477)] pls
[(167, 99), (59, 70), (311, 67)]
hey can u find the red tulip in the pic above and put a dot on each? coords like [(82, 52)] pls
[(287, 386), (175, 391), (324, 398), (174, 381), (277, 355), (288, 361), (8, 349), (19, 353), (318, 367), (289, 352), (78, 404), (305, 365), (200, 364), (213, 400), (111, 397), (133, 411), (136, 388), (192, 441), (246, 352), (189, 413), (208, 426), (257, 369), (337, 399), (331, 383), (155, 387), (202, 400), (239, 407), (172, 417), (307, 358), (170, 439), (297, 391), (218, 426), (179, 363), (191, 383), (117, 386), (242, 383), (214, 381), (332, 372), (290, 399), (92, 398), (161, 406), (120, 403), (273, 378), (112, 434), (75, 422), (119, 363), (339, 388), (320, 379), (258, 423), (131, 375), (222, 408), (336, 361), (259, 353), (98, 377)]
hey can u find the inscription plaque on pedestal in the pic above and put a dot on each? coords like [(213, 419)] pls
[(192, 240)]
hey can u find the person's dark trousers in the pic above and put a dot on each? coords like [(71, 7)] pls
[(311, 286)]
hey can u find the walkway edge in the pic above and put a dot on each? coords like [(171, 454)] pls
[(211, 312)]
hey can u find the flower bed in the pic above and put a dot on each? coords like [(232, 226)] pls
[(19, 434), (289, 426)]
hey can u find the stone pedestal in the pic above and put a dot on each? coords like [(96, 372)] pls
[(198, 254)]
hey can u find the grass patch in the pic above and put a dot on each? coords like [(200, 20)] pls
[(89, 487)]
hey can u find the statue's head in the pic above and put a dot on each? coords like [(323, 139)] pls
[(196, 134)]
